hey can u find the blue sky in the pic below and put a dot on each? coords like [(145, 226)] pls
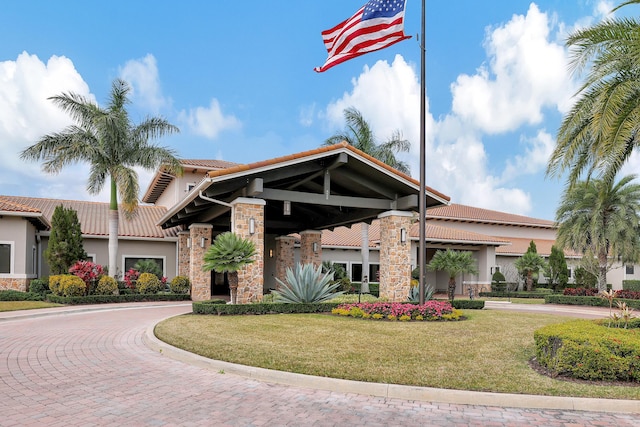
[(237, 78)]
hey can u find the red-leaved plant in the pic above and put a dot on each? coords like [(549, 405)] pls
[(89, 272)]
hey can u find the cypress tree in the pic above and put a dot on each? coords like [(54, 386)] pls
[(65, 242)]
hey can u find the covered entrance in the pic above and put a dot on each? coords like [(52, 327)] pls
[(300, 194)]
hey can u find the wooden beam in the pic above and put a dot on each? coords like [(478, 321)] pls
[(332, 200)]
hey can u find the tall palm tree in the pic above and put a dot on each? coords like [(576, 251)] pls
[(359, 135), (453, 263), (112, 145), (602, 129), (603, 220)]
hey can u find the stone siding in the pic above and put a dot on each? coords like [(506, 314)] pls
[(251, 276), (285, 257), (395, 256), (200, 280), (184, 255), (13, 284), (307, 240)]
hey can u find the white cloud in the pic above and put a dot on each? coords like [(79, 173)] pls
[(209, 122), (26, 115), (525, 74), (144, 78), (534, 159)]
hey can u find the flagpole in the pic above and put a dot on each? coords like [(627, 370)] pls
[(422, 258)]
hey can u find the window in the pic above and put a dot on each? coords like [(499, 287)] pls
[(629, 269), (129, 262), (356, 272), (494, 269), (569, 272), (190, 186), (6, 260)]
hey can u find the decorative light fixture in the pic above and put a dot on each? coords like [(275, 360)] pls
[(286, 208), (188, 242), (270, 253), (403, 235), (202, 240), (315, 246), (252, 226)]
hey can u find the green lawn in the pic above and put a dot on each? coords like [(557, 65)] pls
[(488, 352), (25, 305)]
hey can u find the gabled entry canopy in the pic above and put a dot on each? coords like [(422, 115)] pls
[(319, 189)]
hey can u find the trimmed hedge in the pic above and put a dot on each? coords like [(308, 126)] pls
[(589, 301), (586, 350), (520, 294), (105, 299), (11, 295), (465, 304), (631, 285), (206, 307)]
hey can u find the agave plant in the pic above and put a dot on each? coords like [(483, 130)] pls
[(414, 293), (306, 284), (228, 254)]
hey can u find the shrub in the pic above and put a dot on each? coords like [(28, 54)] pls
[(13, 295), (148, 266), (207, 307), (131, 278), (631, 285), (148, 283), (180, 285), (107, 285), (586, 350), (54, 284), (71, 286), (581, 292), (39, 286), (89, 272), (498, 282), (628, 294), (306, 284), (431, 310)]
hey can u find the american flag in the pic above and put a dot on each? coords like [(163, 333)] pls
[(376, 25)]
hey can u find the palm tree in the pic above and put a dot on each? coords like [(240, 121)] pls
[(453, 263), (603, 220), (228, 254), (360, 136), (601, 131), (529, 264), (112, 145)]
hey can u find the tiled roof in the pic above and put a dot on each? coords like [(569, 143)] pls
[(457, 212), (351, 236), (435, 233), (324, 149), (93, 217), (9, 206), (520, 245), (206, 164)]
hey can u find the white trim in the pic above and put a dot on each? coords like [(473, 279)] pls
[(12, 258), (162, 257)]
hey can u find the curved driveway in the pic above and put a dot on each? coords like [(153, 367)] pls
[(91, 366)]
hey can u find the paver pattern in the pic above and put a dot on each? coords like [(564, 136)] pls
[(92, 368)]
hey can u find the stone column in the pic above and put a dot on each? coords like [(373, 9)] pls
[(311, 247), (247, 211), (395, 255), (200, 235), (285, 257), (184, 254)]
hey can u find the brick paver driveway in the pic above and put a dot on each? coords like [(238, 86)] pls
[(91, 367)]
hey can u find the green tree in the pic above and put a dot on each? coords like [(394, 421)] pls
[(601, 220), (528, 265), (600, 132), (360, 135), (556, 271), (228, 254), (112, 145), (65, 242), (453, 263)]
